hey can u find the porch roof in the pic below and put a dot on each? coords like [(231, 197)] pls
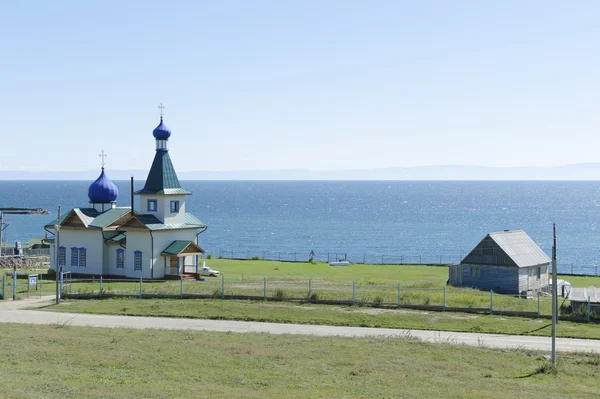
[(182, 248)]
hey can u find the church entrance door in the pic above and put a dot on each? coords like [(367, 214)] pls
[(174, 264)]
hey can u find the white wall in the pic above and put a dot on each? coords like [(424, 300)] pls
[(163, 207), (164, 238), (91, 240), (138, 240)]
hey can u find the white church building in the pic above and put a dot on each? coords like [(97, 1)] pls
[(103, 239)]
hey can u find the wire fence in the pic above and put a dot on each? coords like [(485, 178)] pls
[(308, 291), (564, 268)]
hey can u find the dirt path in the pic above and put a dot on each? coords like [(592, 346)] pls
[(14, 312)]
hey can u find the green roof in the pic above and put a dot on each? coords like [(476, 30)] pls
[(178, 246), (190, 222), (118, 238), (106, 218), (162, 178), (86, 215)]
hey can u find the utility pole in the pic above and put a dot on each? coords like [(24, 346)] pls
[(57, 250), (1, 231), (554, 297)]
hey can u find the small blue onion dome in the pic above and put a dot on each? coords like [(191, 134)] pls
[(162, 132), (103, 190)]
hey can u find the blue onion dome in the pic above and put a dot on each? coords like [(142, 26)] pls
[(103, 190), (162, 132)]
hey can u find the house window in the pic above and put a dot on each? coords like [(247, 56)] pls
[(538, 272), (74, 257), (137, 261), (120, 259), (62, 254), (475, 271), (174, 206), (152, 205), (82, 257)]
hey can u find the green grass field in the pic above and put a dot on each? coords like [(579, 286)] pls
[(371, 284), (356, 316), (73, 362)]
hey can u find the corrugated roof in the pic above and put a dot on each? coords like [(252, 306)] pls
[(162, 177), (178, 246), (118, 238), (153, 223), (520, 248), (582, 294), (108, 217), (85, 214)]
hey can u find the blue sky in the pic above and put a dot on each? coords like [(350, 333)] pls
[(300, 84)]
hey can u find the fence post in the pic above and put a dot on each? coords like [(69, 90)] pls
[(3, 278), (100, 293), (280, 256), (420, 259), (398, 294), (181, 286), (15, 284), (382, 259), (294, 256), (444, 308), (353, 293), (491, 302), (440, 259), (596, 270), (309, 290), (247, 254), (232, 254), (222, 286), (41, 284), (588, 310), (401, 262), (140, 287), (265, 288), (328, 257), (538, 305), (571, 268), (364, 259)]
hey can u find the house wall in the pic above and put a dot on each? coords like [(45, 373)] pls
[(137, 240), (501, 279), (92, 241), (528, 281), (164, 238), (163, 209)]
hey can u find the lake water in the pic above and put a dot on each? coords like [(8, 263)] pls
[(367, 220)]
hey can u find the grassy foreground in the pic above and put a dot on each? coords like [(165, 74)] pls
[(355, 316), (74, 362)]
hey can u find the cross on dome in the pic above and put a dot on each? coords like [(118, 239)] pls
[(161, 107), (102, 156)]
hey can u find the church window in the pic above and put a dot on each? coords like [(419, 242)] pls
[(137, 262), (152, 205), (62, 254), (82, 257), (74, 257), (120, 259), (174, 206)]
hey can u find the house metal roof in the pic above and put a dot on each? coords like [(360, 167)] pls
[(153, 223), (162, 178), (106, 218), (178, 246), (516, 249)]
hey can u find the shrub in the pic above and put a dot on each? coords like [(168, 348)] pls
[(209, 256), (255, 258), (314, 296), (312, 260), (378, 299), (280, 294)]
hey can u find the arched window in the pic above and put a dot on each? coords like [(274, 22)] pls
[(82, 257), (62, 255), (120, 258), (74, 257), (137, 261)]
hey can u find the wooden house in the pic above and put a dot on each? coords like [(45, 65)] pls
[(507, 262)]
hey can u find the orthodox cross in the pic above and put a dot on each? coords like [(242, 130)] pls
[(102, 156), (161, 107)]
